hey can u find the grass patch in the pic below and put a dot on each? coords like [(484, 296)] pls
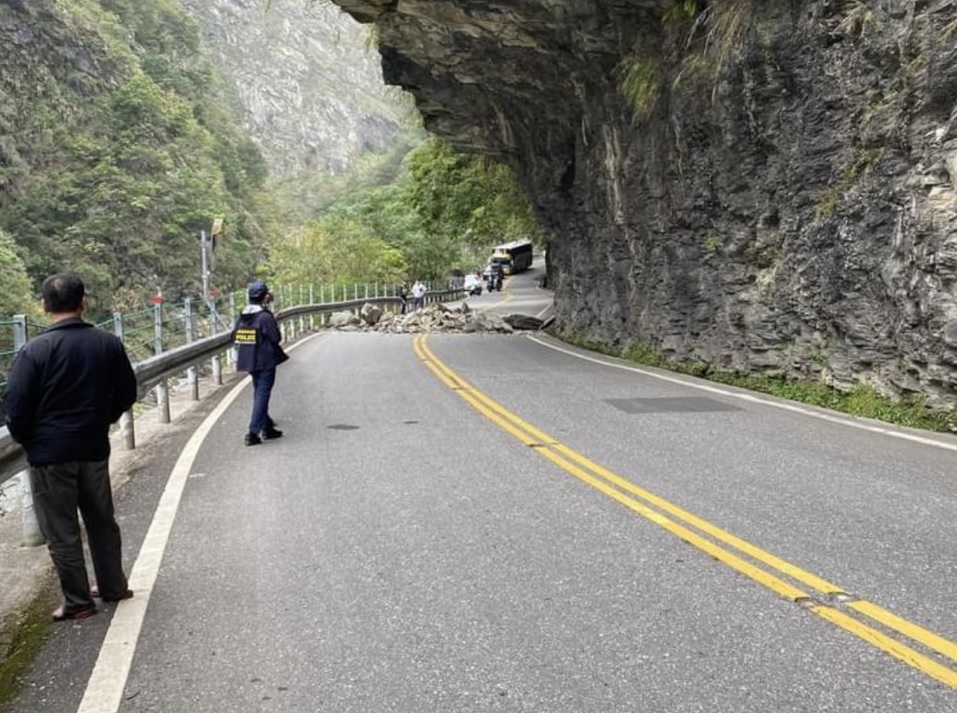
[(862, 401), (850, 175), (707, 36), (640, 83), (857, 19), (725, 26), (712, 243), (26, 636)]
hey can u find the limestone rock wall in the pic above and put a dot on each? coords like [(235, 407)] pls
[(759, 185), (308, 79)]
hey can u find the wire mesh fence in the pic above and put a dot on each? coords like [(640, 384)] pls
[(158, 328)]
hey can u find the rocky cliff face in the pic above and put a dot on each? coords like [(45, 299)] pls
[(311, 88), (757, 185)]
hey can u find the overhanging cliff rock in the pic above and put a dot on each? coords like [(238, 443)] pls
[(756, 185)]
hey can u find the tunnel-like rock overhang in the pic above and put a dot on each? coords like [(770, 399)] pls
[(762, 186)]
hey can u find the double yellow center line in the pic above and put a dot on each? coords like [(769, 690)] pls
[(825, 599)]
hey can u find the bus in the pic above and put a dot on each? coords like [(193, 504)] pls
[(512, 257)]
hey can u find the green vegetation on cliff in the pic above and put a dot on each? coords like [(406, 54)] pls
[(440, 211), (16, 283), (118, 144)]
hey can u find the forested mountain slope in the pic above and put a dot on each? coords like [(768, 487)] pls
[(118, 143), (122, 133)]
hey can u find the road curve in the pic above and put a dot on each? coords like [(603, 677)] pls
[(478, 522)]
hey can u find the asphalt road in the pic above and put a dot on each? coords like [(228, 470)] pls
[(494, 523)]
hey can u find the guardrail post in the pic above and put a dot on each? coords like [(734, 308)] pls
[(285, 330), (291, 323), (127, 429), (32, 537), (162, 391), (216, 362), (312, 318), (19, 331), (231, 354), (302, 318), (192, 375), (31, 528)]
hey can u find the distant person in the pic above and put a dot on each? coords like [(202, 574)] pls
[(402, 293), (65, 388), (418, 294), (257, 339), (493, 276)]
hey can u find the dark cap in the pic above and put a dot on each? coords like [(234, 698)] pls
[(257, 291)]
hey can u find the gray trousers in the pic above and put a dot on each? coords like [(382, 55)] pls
[(60, 489)]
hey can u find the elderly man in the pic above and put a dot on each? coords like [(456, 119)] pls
[(64, 390)]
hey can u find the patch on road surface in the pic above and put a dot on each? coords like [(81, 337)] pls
[(342, 427), (680, 404)]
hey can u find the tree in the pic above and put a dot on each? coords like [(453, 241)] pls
[(19, 296), (465, 199), (336, 250), (445, 211)]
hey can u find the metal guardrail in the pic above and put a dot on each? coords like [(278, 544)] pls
[(154, 370), (169, 324)]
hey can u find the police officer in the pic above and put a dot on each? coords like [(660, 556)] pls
[(257, 337)]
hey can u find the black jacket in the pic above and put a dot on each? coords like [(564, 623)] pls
[(257, 338), (64, 390)]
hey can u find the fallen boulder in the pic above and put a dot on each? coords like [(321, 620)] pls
[(343, 319), (370, 314), (523, 321)]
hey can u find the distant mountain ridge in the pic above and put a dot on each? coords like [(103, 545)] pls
[(310, 86)]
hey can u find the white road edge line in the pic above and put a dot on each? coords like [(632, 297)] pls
[(756, 399), (104, 690)]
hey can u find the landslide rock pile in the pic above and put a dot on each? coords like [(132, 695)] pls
[(433, 318)]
